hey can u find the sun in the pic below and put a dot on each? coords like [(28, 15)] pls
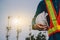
[(16, 21)]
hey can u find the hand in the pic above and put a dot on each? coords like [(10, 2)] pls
[(40, 26)]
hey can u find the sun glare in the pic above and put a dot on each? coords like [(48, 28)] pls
[(16, 21)]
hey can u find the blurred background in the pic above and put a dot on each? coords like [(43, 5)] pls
[(15, 19)]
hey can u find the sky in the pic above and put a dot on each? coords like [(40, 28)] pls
[(25, 9)]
